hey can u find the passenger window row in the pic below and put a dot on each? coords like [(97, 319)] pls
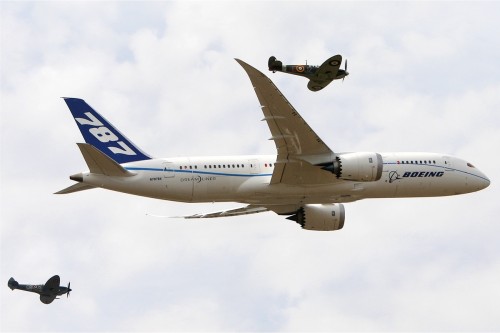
[(220, 166), (417, 162)]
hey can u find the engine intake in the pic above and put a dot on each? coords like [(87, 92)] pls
[(320, 217), (361, 167)]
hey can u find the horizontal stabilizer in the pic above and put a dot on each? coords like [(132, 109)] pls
[(75, 188), (100, 163)]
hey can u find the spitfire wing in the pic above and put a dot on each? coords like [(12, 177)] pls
[(297, 144), (317, 85), (329, 69), (325, 73), (52, 285), (47, 299)]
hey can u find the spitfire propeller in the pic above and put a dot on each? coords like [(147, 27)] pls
[(345, 70), (69, 289)]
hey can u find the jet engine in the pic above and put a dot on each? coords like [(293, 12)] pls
[(361, 167), (320, 217)]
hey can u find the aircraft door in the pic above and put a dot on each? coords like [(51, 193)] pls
[(168, 170)]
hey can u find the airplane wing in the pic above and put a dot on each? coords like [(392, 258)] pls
[(250, 209), (317, 85), (52, 284), (297, 144), (47, 299), (50, 289), (326, 73)]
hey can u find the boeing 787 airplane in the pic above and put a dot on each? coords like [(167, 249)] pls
[(305, 181)]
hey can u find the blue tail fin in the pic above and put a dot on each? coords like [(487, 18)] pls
[(98, 132)]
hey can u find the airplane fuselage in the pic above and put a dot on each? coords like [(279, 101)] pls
[(305, 180), (246, 179), (41, 289)]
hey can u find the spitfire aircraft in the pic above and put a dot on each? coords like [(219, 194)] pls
[(305, 180), (319, 76), (48, 291)]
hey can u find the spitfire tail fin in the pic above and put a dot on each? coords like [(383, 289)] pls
[(98, 132), (13, 284)]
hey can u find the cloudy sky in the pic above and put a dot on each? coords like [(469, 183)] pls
[(424, 77)]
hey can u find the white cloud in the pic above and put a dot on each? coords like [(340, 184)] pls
[(423, 77)]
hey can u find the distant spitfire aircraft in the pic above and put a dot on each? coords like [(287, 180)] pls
[(306, 180), (48, 291), (319, 76)]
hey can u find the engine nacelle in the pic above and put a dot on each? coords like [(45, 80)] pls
[(320, 217), (360, 167)]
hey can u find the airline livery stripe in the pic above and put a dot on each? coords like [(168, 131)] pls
[(200, 172)]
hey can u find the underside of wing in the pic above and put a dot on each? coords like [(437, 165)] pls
[(280, 209), (250, 209), (318, 85), (47, 299), (295, 140), (325, 74)]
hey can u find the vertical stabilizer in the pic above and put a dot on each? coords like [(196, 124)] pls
[(98, 132), (13, 284)]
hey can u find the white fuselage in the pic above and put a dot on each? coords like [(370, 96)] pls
[(246, 179)]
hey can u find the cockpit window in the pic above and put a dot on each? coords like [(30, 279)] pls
[(470, 165)]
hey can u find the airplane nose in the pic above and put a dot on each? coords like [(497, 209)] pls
[(480, 182), (486, 182)]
